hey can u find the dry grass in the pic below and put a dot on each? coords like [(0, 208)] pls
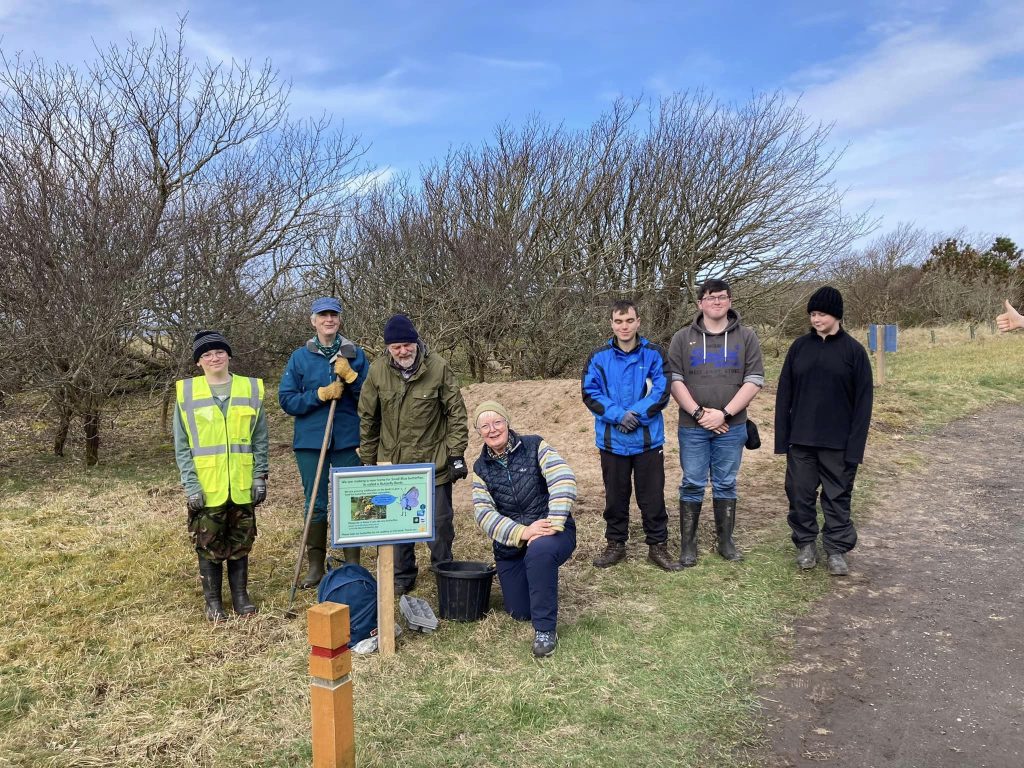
[(107, 661)]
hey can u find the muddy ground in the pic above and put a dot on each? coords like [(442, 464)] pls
[(917, 658)]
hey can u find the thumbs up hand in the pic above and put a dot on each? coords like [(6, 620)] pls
[(1009, 320)]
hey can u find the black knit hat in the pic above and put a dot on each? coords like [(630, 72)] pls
[(828, 300), (400, 330), (204, 341)]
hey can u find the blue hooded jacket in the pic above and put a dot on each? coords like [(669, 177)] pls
[(307, 370), (615, 382)]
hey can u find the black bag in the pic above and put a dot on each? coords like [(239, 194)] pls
[(753, 437)]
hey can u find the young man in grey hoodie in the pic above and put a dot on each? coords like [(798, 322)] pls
[(716, 370)]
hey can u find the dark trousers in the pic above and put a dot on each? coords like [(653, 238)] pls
[(806, 470), (440, 547), (307, 460), (647, 471), (529, 582)]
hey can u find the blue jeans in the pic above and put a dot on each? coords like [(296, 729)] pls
[(703, 453)]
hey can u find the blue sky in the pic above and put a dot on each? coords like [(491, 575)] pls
[(927, 97)]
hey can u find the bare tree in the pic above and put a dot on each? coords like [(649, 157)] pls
[(144, 196)]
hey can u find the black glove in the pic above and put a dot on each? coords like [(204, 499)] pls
[(259, 490), (457, 468), (628, 422), (196, 502)]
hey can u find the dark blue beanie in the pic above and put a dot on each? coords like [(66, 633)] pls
[(400, 330)]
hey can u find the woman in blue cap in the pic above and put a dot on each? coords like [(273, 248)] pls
[(327, 367)]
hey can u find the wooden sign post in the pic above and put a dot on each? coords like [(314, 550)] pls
[(330, 686), (386, 600)]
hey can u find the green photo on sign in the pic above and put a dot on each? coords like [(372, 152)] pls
[(391, 504)]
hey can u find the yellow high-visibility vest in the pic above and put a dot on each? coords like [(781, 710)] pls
[(221, 444)]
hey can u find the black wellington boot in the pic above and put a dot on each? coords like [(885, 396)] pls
[(238, 580), (725, 522), (316, 550), (689, 514), (212, 575)]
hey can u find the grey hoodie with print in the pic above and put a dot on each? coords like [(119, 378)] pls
[(713, 366)]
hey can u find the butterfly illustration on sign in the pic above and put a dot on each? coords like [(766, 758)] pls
[(411, 499)]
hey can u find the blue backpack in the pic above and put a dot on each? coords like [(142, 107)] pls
[(354, 586)]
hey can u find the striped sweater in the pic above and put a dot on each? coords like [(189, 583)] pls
[(561, 484)]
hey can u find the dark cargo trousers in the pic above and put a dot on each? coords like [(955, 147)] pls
[(440, 547), (806, 469), (647, 471)]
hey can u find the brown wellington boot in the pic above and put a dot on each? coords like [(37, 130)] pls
[(614, 552), (658, 554)]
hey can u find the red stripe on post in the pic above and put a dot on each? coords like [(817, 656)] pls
[(327, 653)]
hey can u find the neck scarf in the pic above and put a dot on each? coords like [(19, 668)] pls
[(330, 351)]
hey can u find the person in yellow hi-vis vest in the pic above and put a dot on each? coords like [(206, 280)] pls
[(222, 446)]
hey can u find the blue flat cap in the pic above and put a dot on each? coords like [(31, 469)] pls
[(325, 304)]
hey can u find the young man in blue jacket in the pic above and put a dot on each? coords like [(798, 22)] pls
[(327, 367), (625, 385)]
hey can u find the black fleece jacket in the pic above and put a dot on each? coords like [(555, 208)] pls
[(824, 395)]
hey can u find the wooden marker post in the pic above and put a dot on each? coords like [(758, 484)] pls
[(386, 600), (880, 358), (330, 686)]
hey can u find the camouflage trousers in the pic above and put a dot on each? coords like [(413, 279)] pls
[(226, 532)]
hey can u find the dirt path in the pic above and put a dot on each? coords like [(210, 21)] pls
[(917, 659)]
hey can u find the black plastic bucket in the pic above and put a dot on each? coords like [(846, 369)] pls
[(463, 589)]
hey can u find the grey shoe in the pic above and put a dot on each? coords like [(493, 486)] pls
[(837, 565), (544, 643), (807, 557), (614, 552)]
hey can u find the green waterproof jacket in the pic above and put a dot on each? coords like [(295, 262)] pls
[(416, 421)]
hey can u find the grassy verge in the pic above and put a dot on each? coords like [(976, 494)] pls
[(105, 659)]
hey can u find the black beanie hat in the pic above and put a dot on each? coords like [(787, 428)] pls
[(204, 341), (400, 330), (828, 300)]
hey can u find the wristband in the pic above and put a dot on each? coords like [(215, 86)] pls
[(727, 414), (698, 413)]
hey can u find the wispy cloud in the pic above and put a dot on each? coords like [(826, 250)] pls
[(380, 102), (516, 65)]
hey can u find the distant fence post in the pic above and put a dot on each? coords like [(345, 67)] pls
[(933, 335), (972, 328), (330, 686)]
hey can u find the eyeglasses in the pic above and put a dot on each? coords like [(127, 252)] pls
[(210, 355), (716, 299), (494, 426)]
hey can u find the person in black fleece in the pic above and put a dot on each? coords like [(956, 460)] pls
[(822, 413)]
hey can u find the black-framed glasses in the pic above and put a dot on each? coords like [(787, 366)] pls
[(721, 299)]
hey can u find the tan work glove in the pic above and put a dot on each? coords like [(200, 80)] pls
[(344, 370), (331, 392)]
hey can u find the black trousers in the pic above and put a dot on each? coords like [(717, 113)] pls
[(440, 547), (807, 469), (647, 471)]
